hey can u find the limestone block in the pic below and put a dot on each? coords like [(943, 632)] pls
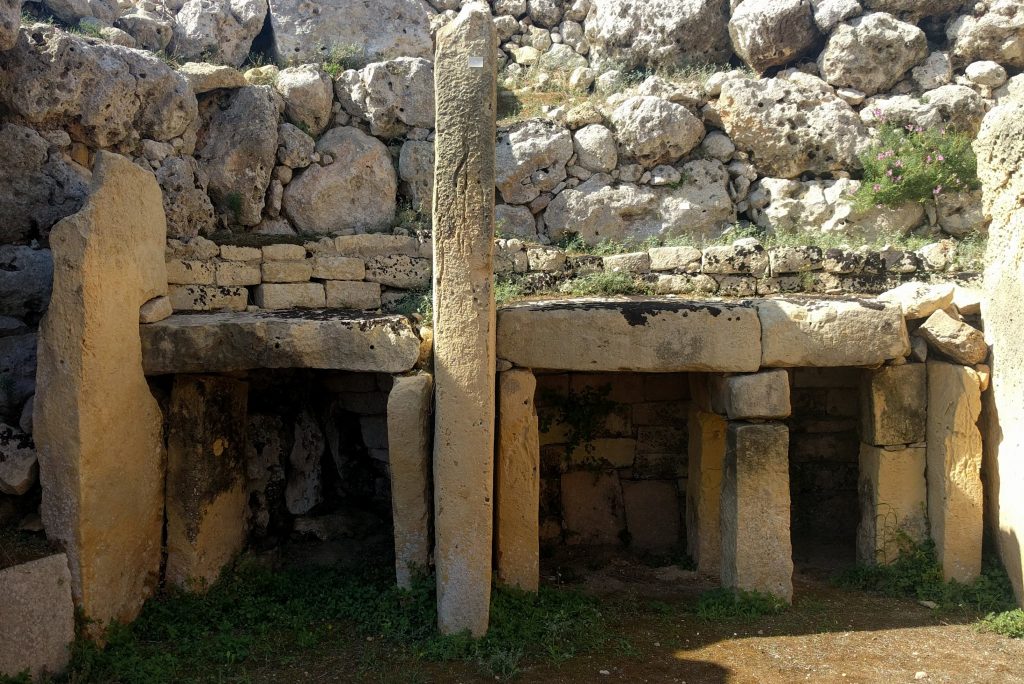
[(685, 259), (650, 335), (206, 488), (238, 273), (954, 469), (97, 428), (234, 253), (187, 272), (757, 553), (208, 298), (304, 489), (329, 267), (407, 273), (409, 422), (464, 358), (652, 514), (592, 508), (517, 482), (216, 343), (156, 309), (704, 490), (757, 395), (283, 252), (287, 271), (893, 405), (375, 244), (920, 300), (290, 295), (893, 495), (37, 618), (960, 342), (349, 294), (830, 332), (635, 262)]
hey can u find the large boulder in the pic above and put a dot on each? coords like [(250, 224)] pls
[(872, 53), (314, 32), (18, 368), (219, 31), (38, 185), (10, 20), (151, 25), (654, 131), (72, 11), (308, 95), (659, 32), (914, 8), (530, 159), (392, 96), (997, 35), (600, 210), (188, 207), (25, 278), (792, 124), (101, 94), (772, 33), (955, 106), (236, 149), (595, 148), (356, 191)]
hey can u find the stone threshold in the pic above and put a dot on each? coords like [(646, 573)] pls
[(307, 338)]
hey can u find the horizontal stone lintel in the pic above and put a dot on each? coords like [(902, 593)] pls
[(659, 334), (317, 338)]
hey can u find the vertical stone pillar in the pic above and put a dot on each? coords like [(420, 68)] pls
[(891, 489), (704, 490), (206, 487), (893, 405), (97, 427), (954, 469), (464, 343), (517, 482), (757, 553), (409, 458)]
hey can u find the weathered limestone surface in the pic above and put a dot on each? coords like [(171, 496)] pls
[(954, 469), (960, 342), (831, 332), (37, 617), (464, 359), (704, 490), (218, 342), (652, 514), (649, 335), (892, 497), (757, 553), (893, 404), (754, 396), (1000, 150), (97, 428), (592, 507), (517, 495), (409, 462), (206, 488)]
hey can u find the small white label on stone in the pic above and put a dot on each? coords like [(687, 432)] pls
[(476, 62)]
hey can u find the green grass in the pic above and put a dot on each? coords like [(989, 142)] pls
[(254, 616), (917, 574), (414, 303), (1009, 623), (508, 289), (344, 57), (727, 604), (604, 284)]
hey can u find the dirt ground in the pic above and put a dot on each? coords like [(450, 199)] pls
[(830, 635)]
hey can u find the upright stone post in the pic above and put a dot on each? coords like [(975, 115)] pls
[(97, 427), (517, 523), (464, 337), (409, 460), (704, 490)]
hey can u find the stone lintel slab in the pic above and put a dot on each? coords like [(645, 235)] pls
[(808, 331), (643, 335), (230, 341)]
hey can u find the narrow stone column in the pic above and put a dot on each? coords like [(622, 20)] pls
[(206, 488), (891, 489), (517, 494), (97, 427), (704, 490), (757, 553), (954, 469), (409, 459), (464, 336)]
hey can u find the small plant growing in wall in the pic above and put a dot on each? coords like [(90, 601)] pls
[(913, 164), (584, 414)]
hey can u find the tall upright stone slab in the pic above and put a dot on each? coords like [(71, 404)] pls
[(97, 427), (757, 553), (409, 461), (893, 405), (704, 490), (517, 497), (892, 493), (206, 487), (464, 335), (954, 469)]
